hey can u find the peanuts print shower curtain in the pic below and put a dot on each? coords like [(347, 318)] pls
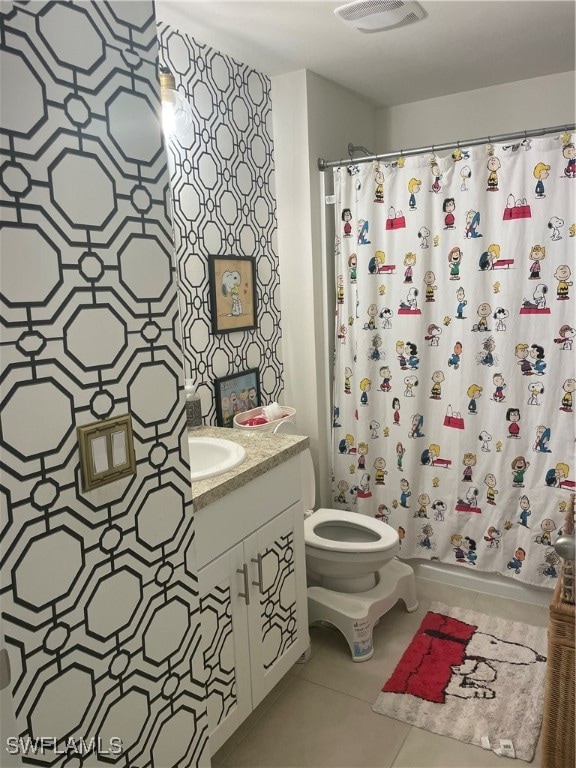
[(454, 368)]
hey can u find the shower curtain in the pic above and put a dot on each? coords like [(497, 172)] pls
[(454, 364)]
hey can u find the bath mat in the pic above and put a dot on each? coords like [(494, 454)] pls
[(467, 675)]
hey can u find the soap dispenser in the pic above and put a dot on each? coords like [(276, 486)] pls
[(193, 405)]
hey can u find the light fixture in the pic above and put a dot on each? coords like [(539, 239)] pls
[(378, 15), (176, 110)]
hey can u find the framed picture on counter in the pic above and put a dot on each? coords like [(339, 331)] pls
[(236, 393), (232, 293)]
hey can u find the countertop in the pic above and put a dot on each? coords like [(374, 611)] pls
[(264, 451)]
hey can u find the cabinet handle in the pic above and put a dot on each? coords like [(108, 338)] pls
[(260, 582), (246, 593)]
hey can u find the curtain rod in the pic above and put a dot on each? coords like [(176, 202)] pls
[(324, 164)]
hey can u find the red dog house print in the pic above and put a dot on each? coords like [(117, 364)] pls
[(425, 668), (453, 419), (395, 219), (503, 264), (516, 209), (534, 311), (462, 506), (399, 222)]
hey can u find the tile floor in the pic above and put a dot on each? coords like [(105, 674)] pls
[(320, 714)]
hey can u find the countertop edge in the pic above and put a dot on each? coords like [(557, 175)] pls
[(282, 448)]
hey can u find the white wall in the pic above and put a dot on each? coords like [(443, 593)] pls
[(540, 102), (291, 165), (312, 117)]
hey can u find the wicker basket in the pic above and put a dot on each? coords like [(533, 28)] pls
[(558, 732)]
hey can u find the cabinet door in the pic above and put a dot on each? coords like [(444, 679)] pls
[(277, 613), (8, 727), (224, 644)]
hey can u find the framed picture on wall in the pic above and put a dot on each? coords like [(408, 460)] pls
[(236, 393), (232, 293)]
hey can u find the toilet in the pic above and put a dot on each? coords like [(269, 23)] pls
[(345, 550), (352, 572)]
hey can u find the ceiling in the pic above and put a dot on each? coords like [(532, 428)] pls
[(461, 45)]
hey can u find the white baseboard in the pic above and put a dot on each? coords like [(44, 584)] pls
[(488, 583)]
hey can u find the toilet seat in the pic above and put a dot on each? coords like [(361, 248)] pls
[(386, 536)]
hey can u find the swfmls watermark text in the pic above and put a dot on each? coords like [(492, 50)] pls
[(41, 745)]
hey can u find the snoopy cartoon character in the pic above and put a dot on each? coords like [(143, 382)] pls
[(462, 661), (554, 224), (230, 283)]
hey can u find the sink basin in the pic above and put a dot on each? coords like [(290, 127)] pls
[(211, 456)]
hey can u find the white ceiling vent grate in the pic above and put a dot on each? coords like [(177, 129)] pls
[(377, 15)]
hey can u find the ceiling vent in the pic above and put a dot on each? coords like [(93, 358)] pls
[(378, 15)]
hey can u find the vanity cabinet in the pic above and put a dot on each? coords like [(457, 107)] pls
[(252, 586)]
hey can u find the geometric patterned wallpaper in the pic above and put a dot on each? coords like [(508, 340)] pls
[(100, 609), (218, 656), (278, 599), (222, 181)]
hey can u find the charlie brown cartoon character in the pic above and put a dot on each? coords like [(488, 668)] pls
[(493, 166), (562, 275)]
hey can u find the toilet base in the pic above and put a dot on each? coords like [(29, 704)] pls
[(355, 615)]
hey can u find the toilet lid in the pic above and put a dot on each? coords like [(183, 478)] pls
[(385, 536)]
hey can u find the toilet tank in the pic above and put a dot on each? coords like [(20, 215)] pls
[(306, 466), (308, 481)]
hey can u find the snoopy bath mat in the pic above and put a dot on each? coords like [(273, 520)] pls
[(468, 676)]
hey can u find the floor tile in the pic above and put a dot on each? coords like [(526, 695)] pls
[(320, 713), (318, 638), (334, 668), (332, 665), (250, 722), (310, 725), (423, 749)]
